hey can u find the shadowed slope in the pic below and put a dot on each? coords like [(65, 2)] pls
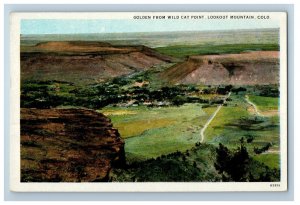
[(85, 62)]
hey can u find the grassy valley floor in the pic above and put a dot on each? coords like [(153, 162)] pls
[(152, 132)]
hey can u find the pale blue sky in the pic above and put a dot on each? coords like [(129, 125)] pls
[(60, 26)]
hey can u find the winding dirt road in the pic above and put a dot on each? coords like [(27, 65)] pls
[(202, 136), (253, 105)]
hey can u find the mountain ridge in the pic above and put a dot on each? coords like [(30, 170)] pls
[(85, 62), (248, 68)]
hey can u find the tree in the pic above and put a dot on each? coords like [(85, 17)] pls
[(179, 100), (238, 169), (237, 90), (228, 88), (223, 161), (233, 165)]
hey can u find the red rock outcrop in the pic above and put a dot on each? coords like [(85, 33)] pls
[(68, 145)]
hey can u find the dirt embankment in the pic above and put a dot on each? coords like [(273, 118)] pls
[(85, 62), (253, 68), (68, 145)]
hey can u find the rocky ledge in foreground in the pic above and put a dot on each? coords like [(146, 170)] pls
[(68, 145)]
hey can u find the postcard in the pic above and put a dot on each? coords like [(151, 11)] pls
[(148, 101)]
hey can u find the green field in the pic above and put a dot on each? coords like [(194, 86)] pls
[(216, 132), (151, 132), (265, 103), (168, 137), (181, 51), (271, 160), (231, 123), (234, 122)]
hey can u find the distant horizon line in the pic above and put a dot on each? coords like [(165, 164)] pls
[(252, 29)]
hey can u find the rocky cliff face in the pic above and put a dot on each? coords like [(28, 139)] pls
[(68, 145), (253, 68)]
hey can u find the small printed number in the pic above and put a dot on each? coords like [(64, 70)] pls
[(274, 185)]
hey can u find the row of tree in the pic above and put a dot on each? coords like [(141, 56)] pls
[(48, 94), (237, 165)]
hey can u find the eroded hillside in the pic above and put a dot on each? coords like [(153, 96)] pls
[(252, 68), (85, 62)]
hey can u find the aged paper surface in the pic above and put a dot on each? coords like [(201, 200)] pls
[(148, 102)]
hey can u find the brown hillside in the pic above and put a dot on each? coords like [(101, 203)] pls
[(259, 67), (68, 145), (85, 62)]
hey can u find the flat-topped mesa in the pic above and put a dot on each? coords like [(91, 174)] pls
[(91, 47), (251, 68), (85, 62), (68, 145), (69, 47), (69, 44)]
